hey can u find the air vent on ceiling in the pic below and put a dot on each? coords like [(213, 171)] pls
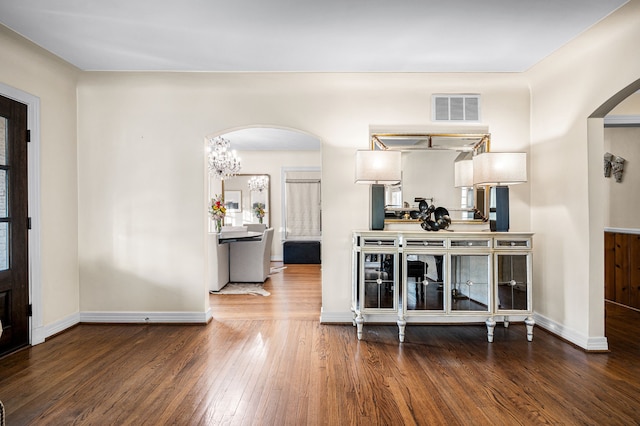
[(456, 107)]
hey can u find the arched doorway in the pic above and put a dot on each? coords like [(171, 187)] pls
[(266, 150), (597, 196)]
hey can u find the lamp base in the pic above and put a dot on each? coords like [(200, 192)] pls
[(376, 222), (502, 209)]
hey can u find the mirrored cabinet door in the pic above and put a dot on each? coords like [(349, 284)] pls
[(470, 290), (512, 282), (379, 280), (424, 281)]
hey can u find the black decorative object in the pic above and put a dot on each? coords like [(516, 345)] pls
[(441, 220)]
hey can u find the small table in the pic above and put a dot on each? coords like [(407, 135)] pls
[(229, 237)]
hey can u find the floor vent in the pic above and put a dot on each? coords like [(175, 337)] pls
[(456, 108)]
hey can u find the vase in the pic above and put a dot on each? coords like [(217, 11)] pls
[(259, 220), (218, 225)]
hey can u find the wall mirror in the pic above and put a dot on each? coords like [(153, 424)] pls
[(244, 201), (429, 172)]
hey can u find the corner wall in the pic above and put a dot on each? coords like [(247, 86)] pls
[(32, 70), (566, 157)]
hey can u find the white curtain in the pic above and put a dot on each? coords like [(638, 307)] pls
[(303, 208)]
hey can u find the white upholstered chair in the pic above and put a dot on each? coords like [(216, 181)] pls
[(255, 227), (250, 261)]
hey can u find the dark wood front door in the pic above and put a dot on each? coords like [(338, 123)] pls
[(14, 279)]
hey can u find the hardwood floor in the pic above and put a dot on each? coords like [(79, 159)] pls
[(268, 361)]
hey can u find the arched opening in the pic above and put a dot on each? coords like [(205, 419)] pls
[(599, 204), (264, 151)]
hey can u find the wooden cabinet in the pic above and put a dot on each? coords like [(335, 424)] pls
[(622, 268), (461, 277)]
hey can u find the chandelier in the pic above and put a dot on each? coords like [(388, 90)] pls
[(223, 163), (258, 183)]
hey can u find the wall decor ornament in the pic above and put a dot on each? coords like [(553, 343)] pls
[(617, 167), (613, 164), (608, 158)]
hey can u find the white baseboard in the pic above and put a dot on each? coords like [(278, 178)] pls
[(37, 335), (146, 317), (578, 339), (336, 317), (570, 335), (59, 326), (43, 333)]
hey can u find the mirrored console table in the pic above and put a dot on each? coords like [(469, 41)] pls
[(444, 277)]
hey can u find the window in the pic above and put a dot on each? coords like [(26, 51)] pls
[(302, 203)]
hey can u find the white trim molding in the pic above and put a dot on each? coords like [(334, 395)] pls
[(146, 317), (60, 325), (621, 120), (595, 344), (623, 230), (126, 318), (37, 333), (336, 317)]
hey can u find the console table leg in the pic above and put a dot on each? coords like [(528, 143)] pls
[(529, 322), (491, 324), (359, 323), (506, 321), (401, 326)]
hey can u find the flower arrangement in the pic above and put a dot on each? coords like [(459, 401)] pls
[(258, 210), (217, 210)]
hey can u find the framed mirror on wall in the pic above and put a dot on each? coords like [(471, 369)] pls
[(247, 198), (431, 170)]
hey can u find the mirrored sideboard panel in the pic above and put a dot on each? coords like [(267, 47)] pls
[(461, 277)]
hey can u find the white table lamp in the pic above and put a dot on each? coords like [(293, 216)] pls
[(500, 169), (378, 168)]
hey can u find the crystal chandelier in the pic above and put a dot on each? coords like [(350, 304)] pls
[(223, 163), (258, 183)]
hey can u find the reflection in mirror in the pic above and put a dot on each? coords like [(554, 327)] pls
[(428, 173), (247, 198)]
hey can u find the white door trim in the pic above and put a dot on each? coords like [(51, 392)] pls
[(33, 169)]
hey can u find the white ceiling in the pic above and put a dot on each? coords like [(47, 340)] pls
[(303, 35)]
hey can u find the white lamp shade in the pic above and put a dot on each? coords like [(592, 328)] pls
[(500, 168), (378, 167), (463, 170)]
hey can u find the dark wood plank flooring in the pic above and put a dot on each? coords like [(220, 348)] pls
[(268, 361)]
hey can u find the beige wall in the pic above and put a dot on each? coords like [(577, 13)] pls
[(29, 69), (142, 194), (567, 185), (138, 204)]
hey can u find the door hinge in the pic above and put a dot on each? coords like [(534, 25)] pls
[(30, 310), (28, 223), (28, 135)]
